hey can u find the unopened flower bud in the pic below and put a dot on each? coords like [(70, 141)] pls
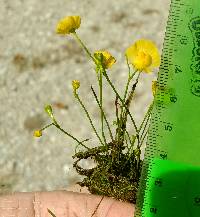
[(49, 110), (37, 133), (75, 84), (107, 58)]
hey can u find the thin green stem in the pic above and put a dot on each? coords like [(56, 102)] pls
[(122, 111), (107, 78), (101, 103), (129, 70), (128, 136), (129, 78), (138, 76), (84, 47), (117, 116), (128, 139), (126, 142), (58, 126), (89, 118), (138, 154), (146, 115), (128, 81), (133, 74), (123, 120), (123, 115), (126, 90), (78, 144), (149, 114), (102, 112), (46, 127), (143, 138), (147, 121), (124, 98)]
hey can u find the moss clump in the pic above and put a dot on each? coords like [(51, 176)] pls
[(118, 179)]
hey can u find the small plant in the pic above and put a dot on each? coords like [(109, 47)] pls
[(117, 174)]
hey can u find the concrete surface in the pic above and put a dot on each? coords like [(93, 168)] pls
[(37, 67)]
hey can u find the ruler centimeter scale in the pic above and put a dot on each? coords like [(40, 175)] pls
[(170, 180)]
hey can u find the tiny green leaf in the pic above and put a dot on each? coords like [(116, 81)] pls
[(49, 110)]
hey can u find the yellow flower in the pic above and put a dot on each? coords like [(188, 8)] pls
[(108, 59), (143, 55), (37, 133), (75, 84), (68, 25), (154, 87)]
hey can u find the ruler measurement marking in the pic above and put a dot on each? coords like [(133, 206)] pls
[(173, 15), (174, 4), (170, 47)]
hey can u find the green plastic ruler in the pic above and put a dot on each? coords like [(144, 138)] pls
[(170, 180)]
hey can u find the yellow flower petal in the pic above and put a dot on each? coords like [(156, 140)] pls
[(68, 24), (37, 133), (143, 55), (108, 59)]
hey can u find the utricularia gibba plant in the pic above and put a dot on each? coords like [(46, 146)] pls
[(116, 174)]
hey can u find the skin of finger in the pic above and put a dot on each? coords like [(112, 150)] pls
[(112, 212), (20, 205), (62, 204)]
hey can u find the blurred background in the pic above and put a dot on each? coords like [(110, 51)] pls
[(37, 67)]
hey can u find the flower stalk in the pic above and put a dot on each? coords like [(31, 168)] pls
[(81, 103), (104, 116), (84, 47), (107, 78), (101, 103)]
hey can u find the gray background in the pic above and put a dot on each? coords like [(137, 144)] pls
[(37, 67)]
